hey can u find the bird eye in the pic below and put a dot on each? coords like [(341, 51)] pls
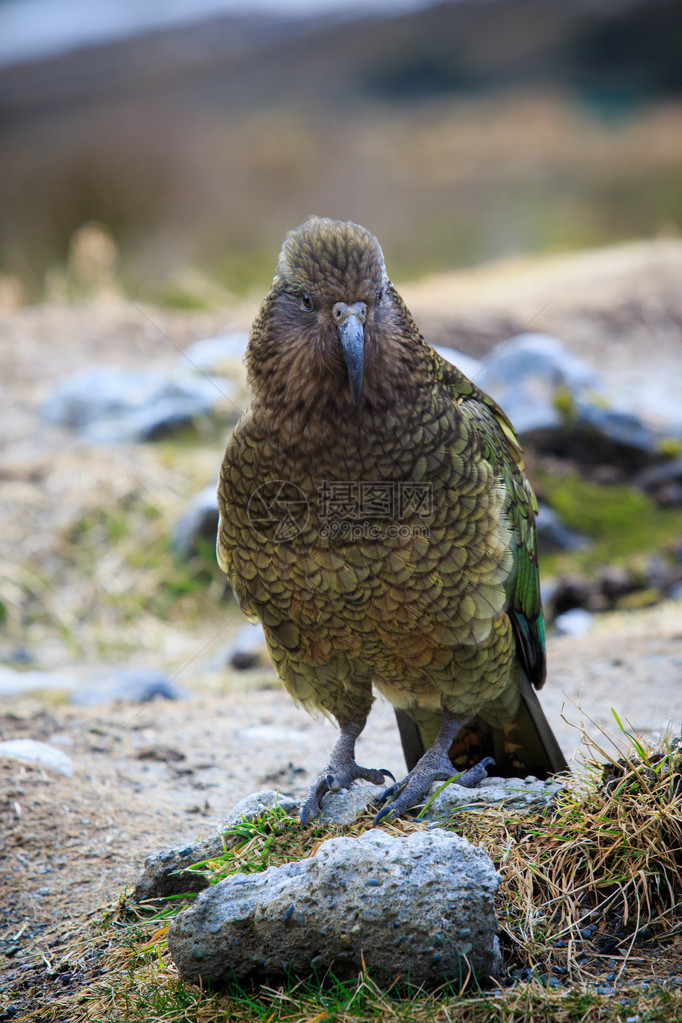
[(306, 303), (380, 295)]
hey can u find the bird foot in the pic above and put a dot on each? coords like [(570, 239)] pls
[(337, 776), (413, 790)]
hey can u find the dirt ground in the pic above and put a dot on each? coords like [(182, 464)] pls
[(149, 776)]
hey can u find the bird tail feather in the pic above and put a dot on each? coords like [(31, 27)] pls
[(522, 745)]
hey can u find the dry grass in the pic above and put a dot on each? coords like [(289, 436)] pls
[(95, 576), (588, 907)]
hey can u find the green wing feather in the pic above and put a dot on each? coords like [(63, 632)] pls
[(502, 449)]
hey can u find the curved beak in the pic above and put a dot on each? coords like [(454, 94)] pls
[(350, 320)]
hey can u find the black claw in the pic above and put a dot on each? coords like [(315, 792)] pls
[(388, 793), (382, 815), (475, 775), (384, 770)]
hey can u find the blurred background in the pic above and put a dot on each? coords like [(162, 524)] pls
[(459, 132)]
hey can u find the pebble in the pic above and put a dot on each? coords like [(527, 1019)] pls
[(30, 751), (576, 622), (248, 650)]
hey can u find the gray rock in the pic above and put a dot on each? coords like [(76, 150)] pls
[(419, 907), (199, 521), (617, 434), (555, 535), (139, 685), (514, 793), (254, 804), (109, 405), (346, 806), (30, 751), (561, 405), (664, 483), (217, 356), (525, 374), (165, 873)]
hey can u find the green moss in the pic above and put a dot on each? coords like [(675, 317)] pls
[(599, 400), (564, 403), (670, 447), (621, 520)]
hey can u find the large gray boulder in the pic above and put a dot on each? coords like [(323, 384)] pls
[(106, 404), (563, 407), (525, 375), (419, 908)]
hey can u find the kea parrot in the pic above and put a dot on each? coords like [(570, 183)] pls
[(375, 517)]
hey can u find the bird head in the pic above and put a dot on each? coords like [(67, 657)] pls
[(320, 324)]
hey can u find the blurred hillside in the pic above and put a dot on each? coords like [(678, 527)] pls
[(459, 132)]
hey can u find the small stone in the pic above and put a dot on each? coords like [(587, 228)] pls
[(576, 622), (30, 751), (165, 873), (248, 650), (525, 374)]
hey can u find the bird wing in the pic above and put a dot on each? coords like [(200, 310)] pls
[(501, 447)]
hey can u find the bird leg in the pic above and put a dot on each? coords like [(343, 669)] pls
[(341, 771), (433, 766)]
